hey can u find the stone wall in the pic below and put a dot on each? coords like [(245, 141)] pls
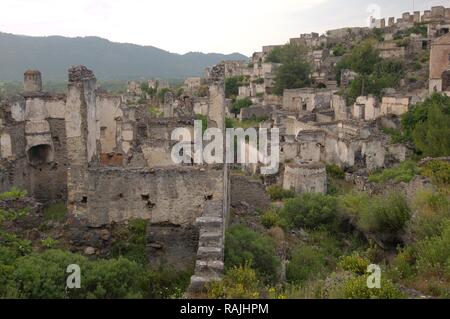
[(305, 178), (248, 192), (439, 63)]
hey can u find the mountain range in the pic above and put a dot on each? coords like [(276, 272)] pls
[(53, 55)]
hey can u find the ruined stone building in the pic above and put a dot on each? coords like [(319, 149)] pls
[(440, 65), (111, 162), (437, 21)]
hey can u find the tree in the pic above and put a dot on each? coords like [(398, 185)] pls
[(240, 104), (295, 70), (428, 125), (361, 59), (232, 86)]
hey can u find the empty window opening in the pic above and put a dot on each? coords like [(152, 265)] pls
[(40, 154)]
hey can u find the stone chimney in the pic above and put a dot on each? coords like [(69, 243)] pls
[(32, 81)]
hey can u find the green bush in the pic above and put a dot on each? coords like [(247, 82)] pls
[(14, 193), (432, 210), (354, 263), (433, 254), (167, 283), (376, 215), (131, 242), (244, 246), (405, 172), (232, 85), (55, 212), (277, 193), (311, 211), (335, 171), (439, 174), (241, 104), (428, 124), (351, 205), (356, 288), (270, 219), (307, 263), (403, 266), (239, 283), (385, 215)]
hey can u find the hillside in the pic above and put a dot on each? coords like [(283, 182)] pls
[(115, 61)]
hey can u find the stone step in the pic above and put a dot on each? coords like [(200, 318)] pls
[(213, 209), (209, 268), (207, 221), (211, 238), (210, 253), (198, 283)]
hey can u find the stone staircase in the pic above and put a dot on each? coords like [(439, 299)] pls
[(210, 255)]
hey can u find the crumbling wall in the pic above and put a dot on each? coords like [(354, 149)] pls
[(305, 178), (108, 112), (81, 131), (162, 196), (248, 192)]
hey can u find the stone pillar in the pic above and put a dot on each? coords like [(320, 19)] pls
[(168, 104), (416, 16), (391, 21), (32, 81), (81, 132), (216, 110)]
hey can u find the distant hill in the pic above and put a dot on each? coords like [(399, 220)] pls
[(109, 60)]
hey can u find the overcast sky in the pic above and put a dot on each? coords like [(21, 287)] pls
[(181, 26)]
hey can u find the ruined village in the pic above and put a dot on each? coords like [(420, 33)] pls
[(90, 172)]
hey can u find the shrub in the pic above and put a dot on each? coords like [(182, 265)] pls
[(377, 215), (428, 124), (44, 275), (405, 172), (277, 193), (335, 172), (49, 243), (131, 241), (433, 254), (165, 283), (385, 215), (232, 86), (351, 205), (241, 104), (439, 173), (403, 264), (239, 283), (312, 211), (12, 247), (354, 263), (432, 209), (246, 247), (14, 193), (356, 288), (270, 219), (55, 212), (307, 263)]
